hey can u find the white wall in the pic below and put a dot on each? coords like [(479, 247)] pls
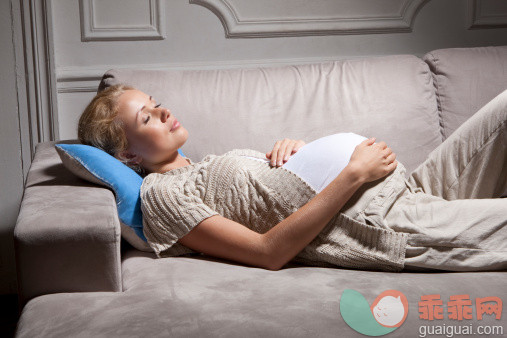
[(192, 36)]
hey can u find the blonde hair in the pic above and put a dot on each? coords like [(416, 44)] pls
[(99, 127)]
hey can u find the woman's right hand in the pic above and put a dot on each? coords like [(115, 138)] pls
[(372, 160)]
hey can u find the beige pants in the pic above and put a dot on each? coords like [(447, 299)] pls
[(452, 207)]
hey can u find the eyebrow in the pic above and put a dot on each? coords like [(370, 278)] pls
[(137, 114)]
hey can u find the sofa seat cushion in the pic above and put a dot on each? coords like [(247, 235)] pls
[(389, 97), (203, 296), (465, 80)]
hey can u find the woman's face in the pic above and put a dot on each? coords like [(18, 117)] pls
[(148, 125)]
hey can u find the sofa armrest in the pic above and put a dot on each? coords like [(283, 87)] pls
[(67, 236)]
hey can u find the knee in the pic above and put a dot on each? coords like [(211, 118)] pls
[(500, 106), (503, 97)]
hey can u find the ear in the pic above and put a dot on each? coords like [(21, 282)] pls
[(129, 157)]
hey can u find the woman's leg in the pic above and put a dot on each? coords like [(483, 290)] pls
[(472, 161), (458, 235)]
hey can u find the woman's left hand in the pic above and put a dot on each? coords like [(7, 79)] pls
[(282, 150)]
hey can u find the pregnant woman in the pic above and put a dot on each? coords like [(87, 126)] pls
[(341, 200)]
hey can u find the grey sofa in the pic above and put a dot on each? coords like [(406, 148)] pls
[(79, 278)]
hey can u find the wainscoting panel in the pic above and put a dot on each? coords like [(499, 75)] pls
[(122, 20), (269, 18), (487, 14)]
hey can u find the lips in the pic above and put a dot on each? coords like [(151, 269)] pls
[(175, 125)]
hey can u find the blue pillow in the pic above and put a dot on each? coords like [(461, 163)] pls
[(97, 166)]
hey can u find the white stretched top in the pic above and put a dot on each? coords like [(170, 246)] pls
[(320, 161)]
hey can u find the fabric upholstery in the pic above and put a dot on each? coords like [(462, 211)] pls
[(209, 297), (67, 235), (255, 107), (465, 80)]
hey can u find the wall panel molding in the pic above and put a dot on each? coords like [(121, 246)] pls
[(487, 14), (35, 73), (242, 20), (91, 30)]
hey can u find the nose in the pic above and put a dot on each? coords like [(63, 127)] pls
[(164, 114)]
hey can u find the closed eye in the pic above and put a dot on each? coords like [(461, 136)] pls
[(148, 118)]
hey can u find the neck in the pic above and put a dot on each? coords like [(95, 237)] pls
[(162, 167)]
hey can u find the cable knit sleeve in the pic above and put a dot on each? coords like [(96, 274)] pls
[(171, 208)]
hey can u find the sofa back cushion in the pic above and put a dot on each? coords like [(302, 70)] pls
[(389, 97), (465, 80)]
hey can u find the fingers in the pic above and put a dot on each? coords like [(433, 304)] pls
[(371, 140), (387, 151), (390, 158), (281, 151), (381, 145), (274, 152), (298, 145), (278, 152), (368, 141), (283, 155), (392, 166)]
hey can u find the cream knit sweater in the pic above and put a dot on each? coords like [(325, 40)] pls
[(258, 196)]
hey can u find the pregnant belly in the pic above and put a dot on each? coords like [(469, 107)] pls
[(320, 161)]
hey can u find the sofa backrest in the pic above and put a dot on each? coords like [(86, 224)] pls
[(465, 80), (389, 97)]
